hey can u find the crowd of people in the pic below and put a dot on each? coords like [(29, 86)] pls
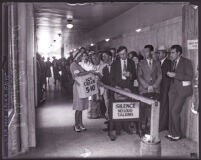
[(164, 75), (60, 72)]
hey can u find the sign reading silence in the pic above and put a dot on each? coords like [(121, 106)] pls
[(125, 110), (88, 85)]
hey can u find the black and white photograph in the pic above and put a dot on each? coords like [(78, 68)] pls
[(104, 80)]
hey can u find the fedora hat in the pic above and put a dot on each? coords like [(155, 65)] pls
[(161, 48)]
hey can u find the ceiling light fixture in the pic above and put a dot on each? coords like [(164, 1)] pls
[(138, 30), (91, 44), (69, 24), (107, 39)]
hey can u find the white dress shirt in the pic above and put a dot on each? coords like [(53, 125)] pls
[(122, 67), (163, 60), (177, 61), (150, 62)]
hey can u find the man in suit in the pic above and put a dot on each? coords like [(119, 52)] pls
[(55, 69), (164, 87), (149, 77), (122, 74), (123, 71), (180, 89), (106, 79), (114, 54)]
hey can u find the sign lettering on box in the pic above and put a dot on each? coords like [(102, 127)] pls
[(192, 44), (125, 110), (88, 85)]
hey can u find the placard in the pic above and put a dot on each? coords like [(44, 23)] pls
[(125, 110), (192, 44), (88, 85)]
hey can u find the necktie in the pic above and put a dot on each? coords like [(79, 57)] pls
[(108, 67), (150, 64), (174, 66), (124, 68)]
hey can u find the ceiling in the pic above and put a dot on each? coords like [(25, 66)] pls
[(86, 16)]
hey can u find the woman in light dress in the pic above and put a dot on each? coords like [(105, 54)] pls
[(79, 104)]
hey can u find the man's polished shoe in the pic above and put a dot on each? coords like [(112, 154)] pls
[(82, 128), (168, 137), (76, 128), (112, 136), (175, 138)]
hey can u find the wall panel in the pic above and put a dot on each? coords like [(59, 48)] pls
[(166, 33)]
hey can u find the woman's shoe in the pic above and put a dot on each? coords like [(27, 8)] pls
[(77, 129), (82, 128)]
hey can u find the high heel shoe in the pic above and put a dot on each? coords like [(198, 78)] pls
[(82, 128), (76, 129)]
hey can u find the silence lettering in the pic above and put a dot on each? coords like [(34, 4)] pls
[(126, 109)]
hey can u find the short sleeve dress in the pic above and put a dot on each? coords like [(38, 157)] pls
[(78, 103)]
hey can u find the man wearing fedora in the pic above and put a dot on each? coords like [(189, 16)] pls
[(164, 87)]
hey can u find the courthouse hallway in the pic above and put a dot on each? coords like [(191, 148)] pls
[(55, 136), (104, 60)]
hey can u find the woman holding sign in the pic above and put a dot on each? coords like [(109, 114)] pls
[(79, 104)]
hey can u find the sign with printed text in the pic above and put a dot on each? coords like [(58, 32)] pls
[(87, 85), (192, 44), (125, 110)]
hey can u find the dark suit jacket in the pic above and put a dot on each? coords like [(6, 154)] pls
[(165, 82), (147, 76), (116, 74), (106, 79), (164, 100), (184, 72)]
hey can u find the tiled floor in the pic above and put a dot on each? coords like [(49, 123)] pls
[(56, 138)]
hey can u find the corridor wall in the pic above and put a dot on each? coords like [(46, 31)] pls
[(21, 129), (166, 33), (190, 32), (133, 19)]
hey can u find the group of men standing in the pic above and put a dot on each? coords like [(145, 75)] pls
[(167, 79)]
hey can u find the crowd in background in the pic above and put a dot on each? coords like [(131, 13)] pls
[(58, 69), (153, 74)]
